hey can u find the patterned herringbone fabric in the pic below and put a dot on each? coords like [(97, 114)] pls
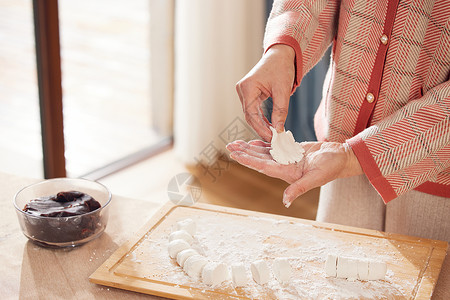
[(387, 91)]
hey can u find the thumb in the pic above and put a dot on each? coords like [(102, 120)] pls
[(297, 189), (280, 110)]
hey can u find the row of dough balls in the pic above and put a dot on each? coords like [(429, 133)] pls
[(213, 273), (352, 268)]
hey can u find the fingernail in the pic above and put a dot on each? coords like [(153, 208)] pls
[(286, 201)]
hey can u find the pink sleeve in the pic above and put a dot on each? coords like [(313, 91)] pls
[(308, 27), (409, 148)]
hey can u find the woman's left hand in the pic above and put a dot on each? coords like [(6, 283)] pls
[(322, 163)]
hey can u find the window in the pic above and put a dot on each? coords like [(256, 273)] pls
[(108, 112), (20, 131)]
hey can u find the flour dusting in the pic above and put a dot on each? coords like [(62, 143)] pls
[(233, 239)]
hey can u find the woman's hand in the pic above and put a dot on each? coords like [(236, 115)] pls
[(273, 76), (322, 163)]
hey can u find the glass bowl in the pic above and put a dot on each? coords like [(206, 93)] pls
[(59, 232)]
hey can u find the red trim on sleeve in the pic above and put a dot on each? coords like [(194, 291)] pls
[(290, 41), (434, 188), (371, 170)]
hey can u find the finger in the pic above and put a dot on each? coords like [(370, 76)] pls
[(240, 94), (256, 121), (260, 150), (263, 156), (256, 118), (255, 151), (265, 166), (280, 109), (267, 124), (266, 121), (254, 148), (262, 98), (260, 143), (298, 188), (251, 99), (234, 145)]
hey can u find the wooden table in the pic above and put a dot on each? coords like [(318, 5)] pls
[(32, 272)]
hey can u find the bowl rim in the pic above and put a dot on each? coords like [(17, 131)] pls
[(62, 179)]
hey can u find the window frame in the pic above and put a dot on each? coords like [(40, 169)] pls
[(48, 60)]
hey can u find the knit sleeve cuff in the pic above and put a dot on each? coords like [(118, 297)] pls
[(371, 169), (290, 41)]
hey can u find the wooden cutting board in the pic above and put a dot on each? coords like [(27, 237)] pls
[(233, 235)]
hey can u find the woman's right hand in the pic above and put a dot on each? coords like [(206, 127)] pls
[(273, 76)]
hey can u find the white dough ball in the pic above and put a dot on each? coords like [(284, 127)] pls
[(187, 225), (331, 265), (282, 269), (346, 268), (260, 271), (181, 235), (214, 273), (352, 268), (377, 270), (193, 266), (363, 269), (238, 274), (177, 246), (185, 254)]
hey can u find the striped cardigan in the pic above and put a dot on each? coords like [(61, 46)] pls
[(387, 91)]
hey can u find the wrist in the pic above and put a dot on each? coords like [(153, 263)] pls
[(281, 49), (353, 167)]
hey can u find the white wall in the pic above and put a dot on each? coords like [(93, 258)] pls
[(216, 44)]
